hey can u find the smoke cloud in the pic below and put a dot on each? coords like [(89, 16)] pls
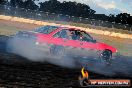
[(119, 65), (26, 48)]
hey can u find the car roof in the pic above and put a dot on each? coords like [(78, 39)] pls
[(68, 28), (62, 27)]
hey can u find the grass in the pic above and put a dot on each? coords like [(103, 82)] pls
[(94, 27), (124, 46), (7, 30)]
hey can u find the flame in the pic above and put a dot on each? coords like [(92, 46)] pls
[(84, 79), (84, 73)]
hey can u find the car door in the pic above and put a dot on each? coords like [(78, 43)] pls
[(88, 45), (62, 38), (89, 49)]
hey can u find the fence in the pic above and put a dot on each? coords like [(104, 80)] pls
[(46, 16)]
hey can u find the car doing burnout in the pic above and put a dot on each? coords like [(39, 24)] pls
[(62, 41)]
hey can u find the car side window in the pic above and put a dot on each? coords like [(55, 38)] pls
[(86, 37), (75, 35), (62, 34)]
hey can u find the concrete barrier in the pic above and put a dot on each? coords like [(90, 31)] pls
[(14, 19), (95, 31), (2, 17), (26, 20), (106, 33)]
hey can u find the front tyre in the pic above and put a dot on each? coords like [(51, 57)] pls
[(106, 56)]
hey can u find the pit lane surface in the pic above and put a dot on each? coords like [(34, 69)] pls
[(16, 71)]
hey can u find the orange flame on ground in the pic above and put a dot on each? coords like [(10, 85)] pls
[(84, 73)]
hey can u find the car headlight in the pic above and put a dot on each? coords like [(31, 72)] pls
[(37, 43)]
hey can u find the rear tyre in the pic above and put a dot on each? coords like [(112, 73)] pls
[(57, 51)]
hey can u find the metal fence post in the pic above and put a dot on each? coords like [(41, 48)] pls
[(130, 29), (80, 19)]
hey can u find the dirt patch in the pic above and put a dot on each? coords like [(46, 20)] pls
[(18, 72), (19, 25)]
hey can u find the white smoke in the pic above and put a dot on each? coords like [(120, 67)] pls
[(119, 65), (27, 49)]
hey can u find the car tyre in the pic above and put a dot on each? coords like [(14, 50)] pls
[(106, 56), (57, 51)]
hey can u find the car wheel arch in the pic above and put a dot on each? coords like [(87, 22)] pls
[(106, 56)]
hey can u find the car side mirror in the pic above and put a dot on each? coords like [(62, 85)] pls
[(94, 41)]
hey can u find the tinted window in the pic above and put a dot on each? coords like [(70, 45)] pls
[(86, 37), (75, 34), (61, 34), (46, 29), (68, 34)]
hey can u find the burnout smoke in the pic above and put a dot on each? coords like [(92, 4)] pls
[(26, 48), (119, 65)]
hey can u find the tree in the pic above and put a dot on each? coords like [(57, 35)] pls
[(16, 3), (3, 2), (69, 8), (29, 4), (111, 18), (122, 18), (129, 20), (50, 6)]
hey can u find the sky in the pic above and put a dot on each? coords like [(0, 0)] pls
[(106, 6)]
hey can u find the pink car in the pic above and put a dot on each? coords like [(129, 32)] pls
[(62, 41)]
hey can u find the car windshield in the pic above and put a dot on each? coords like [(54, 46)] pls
[(46, 29)]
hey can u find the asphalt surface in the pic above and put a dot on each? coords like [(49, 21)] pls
[(19, 72)]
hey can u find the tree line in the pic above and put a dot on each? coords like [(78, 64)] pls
[(68, 8)]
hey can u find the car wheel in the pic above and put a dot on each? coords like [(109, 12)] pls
[(106, 55), (57, 51)]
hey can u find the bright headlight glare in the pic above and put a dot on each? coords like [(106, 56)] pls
[(37, 43)]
